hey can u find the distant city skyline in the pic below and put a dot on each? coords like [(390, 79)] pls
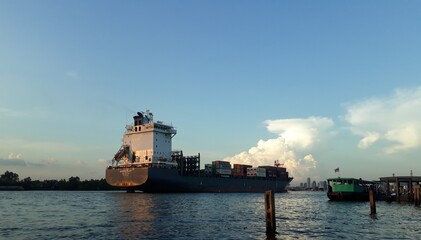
[(315, 85)]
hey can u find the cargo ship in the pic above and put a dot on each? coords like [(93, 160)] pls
[(146, 162)]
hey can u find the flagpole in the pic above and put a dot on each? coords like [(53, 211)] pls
[(339, 172)]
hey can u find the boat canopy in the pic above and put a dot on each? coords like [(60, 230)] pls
[(349, 181)]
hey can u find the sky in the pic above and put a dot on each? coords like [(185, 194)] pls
[(317, 85)]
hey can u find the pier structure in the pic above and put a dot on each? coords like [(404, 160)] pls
[(400, 188)]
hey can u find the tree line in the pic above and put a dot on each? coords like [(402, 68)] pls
[(73, 183)]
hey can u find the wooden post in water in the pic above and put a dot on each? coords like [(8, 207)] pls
[(372, 201), (417, 195), (270, 213), (397, 186)]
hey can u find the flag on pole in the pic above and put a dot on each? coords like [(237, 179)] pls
[(336, 169)]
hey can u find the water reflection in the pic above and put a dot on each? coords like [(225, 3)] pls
[(118, 215), (135, 214), (189, 216)]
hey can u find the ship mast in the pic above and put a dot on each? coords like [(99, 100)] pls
[(278, 164)]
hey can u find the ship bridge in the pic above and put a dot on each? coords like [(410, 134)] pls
[(148, 141)]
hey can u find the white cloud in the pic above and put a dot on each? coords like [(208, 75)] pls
[(299, 132), (406, 136), (264, 153), (293, 135), (301, 167), (369, 138), (13, 160), (12, 156), (393, 120)]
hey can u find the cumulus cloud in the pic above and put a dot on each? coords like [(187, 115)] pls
[(394, 120), (293, 135), (301, 167), (299, 132), (13, 160), (264, 153), (369, 138), (13, 156)]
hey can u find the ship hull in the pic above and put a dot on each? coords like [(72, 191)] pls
[(155, 180), (348, 196)]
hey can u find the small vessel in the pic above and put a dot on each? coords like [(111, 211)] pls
[(146, 162), (348, 189)]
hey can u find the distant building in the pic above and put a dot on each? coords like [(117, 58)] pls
[(314, 186), (322, 185)]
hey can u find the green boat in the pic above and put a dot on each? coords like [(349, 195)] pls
[(348, 189)]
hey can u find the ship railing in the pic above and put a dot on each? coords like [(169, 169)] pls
[(163, 165), (130, 165), (150, 165)]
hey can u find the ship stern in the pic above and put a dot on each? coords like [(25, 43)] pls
[(126, 177)]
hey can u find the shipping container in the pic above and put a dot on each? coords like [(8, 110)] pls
[(223, 172), (256, 172), (221, 168), (221, 164), (251, 172), (275, 172), (220, 161), (242, 166), (240, 170), (208, 169), (260, 172)]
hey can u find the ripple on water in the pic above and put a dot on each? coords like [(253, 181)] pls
[(117, 215)]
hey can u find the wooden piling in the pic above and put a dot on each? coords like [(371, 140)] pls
[(398, 193), (372, 201), (417, 195), (270, 213)]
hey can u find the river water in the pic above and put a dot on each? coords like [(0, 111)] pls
[(119, 215)]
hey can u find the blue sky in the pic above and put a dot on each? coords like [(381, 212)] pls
[(315, 84)]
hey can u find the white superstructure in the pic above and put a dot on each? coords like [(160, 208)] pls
[(146, 141)]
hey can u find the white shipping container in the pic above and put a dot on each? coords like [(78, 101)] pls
[(251, 172), (261, 172), (223, 171)]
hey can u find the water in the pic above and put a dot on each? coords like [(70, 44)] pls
[(118, 215)]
